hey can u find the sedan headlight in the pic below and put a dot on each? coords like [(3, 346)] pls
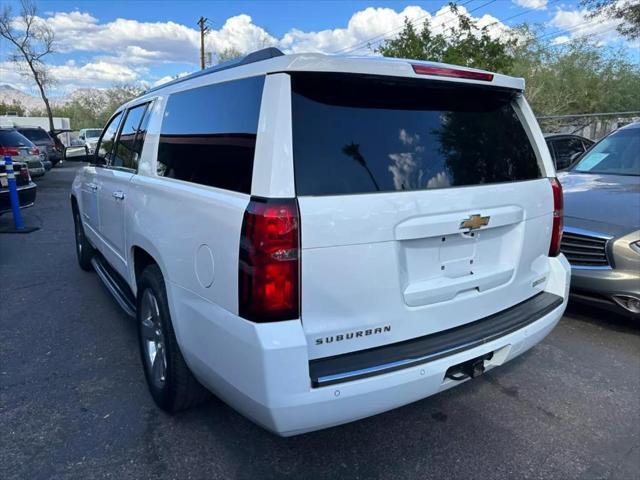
[(635, 246)]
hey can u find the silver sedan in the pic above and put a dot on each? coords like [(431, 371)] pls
[(601, 236)]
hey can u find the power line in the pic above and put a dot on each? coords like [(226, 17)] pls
[(451, 20), (571, 29), (361, 44), (526, 11), (381, 37), (203, 23)]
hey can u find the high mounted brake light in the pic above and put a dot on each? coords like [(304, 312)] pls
[(269, 266), (558, 207), (451, 72)]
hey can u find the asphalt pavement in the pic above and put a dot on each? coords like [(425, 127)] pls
[(74, 403)]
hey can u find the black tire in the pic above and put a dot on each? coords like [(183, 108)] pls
[(176, 388), (84, 250)]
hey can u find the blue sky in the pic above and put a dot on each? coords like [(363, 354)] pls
[(146, 42)]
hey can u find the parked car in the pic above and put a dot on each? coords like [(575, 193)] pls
[(602, 222), (343, 236), (21, 149), (26, 188), (565, 149), (45, 143), (88, 137)]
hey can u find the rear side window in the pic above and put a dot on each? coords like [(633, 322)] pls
[(131, 138), (354, 134), (35, 134), (208, 134)]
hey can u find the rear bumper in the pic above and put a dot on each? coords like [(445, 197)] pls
[(599, 286), (26, 196), (262, 370), (37, 171)]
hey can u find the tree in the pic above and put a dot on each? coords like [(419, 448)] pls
[(33, 40), (228, 54), (92, 108), (13, 108), (626, 10), (464, 44), (577, 77)]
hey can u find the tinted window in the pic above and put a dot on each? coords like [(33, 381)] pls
[(131, 138), (619, 153), (564, 149), (94, 133), (105, 145), (209, 134), (36, 135), (359, 135), (11, 138)]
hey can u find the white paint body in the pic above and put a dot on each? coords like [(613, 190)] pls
[(363, 263)]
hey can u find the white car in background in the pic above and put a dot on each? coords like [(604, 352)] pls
[(89, 138), (316, 239)]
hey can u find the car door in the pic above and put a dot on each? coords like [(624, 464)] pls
[(89, 187), (113, 184)]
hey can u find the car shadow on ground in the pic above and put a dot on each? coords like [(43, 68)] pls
[(603, 318)]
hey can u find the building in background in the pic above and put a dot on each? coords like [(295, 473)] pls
[(60, 123)]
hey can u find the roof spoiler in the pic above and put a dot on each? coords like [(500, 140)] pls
[(257, 56)]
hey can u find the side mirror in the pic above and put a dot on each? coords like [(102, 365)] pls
[(79, 153)]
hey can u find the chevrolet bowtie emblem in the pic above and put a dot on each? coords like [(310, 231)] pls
[(474, 222)]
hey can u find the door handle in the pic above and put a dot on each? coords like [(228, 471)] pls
[(118, 195), (92, 186)]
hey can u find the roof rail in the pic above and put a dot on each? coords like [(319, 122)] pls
[(257, 56)]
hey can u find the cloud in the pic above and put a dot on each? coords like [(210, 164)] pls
[(126, 50), (70, 76), (578, 24), (561, 40), (533, 4), (168, 78)]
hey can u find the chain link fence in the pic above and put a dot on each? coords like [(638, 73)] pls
[(593, 126)]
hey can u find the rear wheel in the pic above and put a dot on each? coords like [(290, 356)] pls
[(84, 250), (171, 383)]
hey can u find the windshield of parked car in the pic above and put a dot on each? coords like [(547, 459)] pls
[(35, 134), (618, 154), (95, 133)]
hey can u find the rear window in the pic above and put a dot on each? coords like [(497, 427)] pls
[(208, 134), (35, 134), (11, 138), (354, 134)]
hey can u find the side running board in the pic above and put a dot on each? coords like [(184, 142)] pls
[(115, 284)]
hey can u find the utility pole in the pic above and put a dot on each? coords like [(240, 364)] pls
[(204, 29)]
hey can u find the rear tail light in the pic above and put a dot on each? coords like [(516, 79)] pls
[(11, 151), (452, 72), (269, 267), (558, 206), (34, 151)]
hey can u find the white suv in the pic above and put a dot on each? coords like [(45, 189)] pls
[(317, 239)]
